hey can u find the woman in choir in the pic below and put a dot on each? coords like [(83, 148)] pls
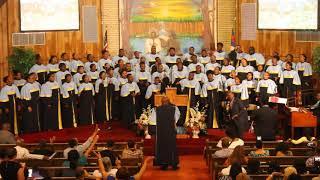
[(199, 76), (152, 90), (61, 74), (30, 94), (251, 85), (77, 78), (9, 96), (240, 91), (129, 91), (274, 70), (289, 58), (18, 80), (258, 74), (231, 81), (266, 88), (93, 73), (69, 93), (204, 58), (212, 65), (65, 59), (39, 69), (123, 78), (75, 63), (178, 75), (305, 73), (210, 92), (53, 65), (113, 95), (101, 106), (86, 101), (90, 60), (227, 68), (192, 88), (143, 79), (290, 81), (50, 98), (243, 69)]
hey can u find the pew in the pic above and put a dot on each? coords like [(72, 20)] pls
[(266, 144)]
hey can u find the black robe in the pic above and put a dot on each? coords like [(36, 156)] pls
[(11, 116), (68, 110), (214, 110), (31, 120), (166, 148), (128, 109), (86, 107), (141, 101), (240, 123), (101, 104), (50, 111), (42, 76)]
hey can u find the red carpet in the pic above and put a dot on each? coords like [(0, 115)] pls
[(120, 133)]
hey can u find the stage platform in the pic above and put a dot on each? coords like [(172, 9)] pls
[(119, 133)]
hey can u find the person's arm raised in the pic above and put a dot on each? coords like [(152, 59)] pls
[(143, 169), (95, 140), (100, 164), (20, 173), (86, 145)]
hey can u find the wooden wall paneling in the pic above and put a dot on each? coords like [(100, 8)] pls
[(3, 41)]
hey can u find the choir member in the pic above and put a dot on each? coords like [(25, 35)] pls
[(305, 73), (219, 77), (254, 58), (104, 60), (240, 90), (251, 85), (53, 65), (230, 81), (204, 58), (212, 64), (210, 91), (266, 88), (290, 81), (69, 93), (243, 69), (240, 55), (30, 96), (123, 78), (50, 98), (171, 59), (179, 74), (227, 68), (199, 76), (18, 80), (129, 69), (39, 69), (175, 67), (187, 56), (129, 91), (164, 76), (75, 63), (143, 79), (289, 58), (90, 60), (274, 55), (93, 73), (113, 95), (192, 66), (220, 54), (151, 57), (77, 78), (60, 75), (191, 87), (135, 60), (258, 74), (86, 101), (121, 55), (101, 105), (153, 89), (119, 67), (274, 70), (9, 95), (65, 59), (142, 60)]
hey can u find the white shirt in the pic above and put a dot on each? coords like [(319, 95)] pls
[(23, 153), (234, 144)]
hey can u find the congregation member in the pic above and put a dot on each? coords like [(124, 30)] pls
[(225, 151), (86, 101), (39, 69), (69, 93), (6, 136)]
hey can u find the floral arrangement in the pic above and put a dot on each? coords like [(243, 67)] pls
[(196, 121), (144, 121)]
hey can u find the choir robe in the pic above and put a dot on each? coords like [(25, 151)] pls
[(53, 68), (151, 58), (115, 59), (151, 91), (305, 73), (148, 68), (30, 94), (50, 99), (251, 85), (60, 77), (177, 76), (113, 95), (220, 56), (201, 78), (192, 67), (170, 60), (275, 72), (257, 75), (204, 60), (211, 66), (9, 96), (192, 88), (229, 82), (283, 66), (269, 63), (221, 80), (243, 71), (94, 75), (86, 104), (226, 70), (255, 59), (143, 79), (241, 92), (88, 64), (290, 81), (101, 105), (66, 62), (74, 64), (69, 93), (20, 83), (128, 102), (240, 55), (135, 61), (77, 78), (175, 68), (41, 71), (102, 62), (164, 77), (210, 91), (265, 89), (187, 58)]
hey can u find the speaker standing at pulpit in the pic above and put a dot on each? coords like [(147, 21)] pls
[(166, 116)]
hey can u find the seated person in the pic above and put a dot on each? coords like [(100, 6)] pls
[(312, 161), (283, 149), (108, 168), (300, 166), (131, 151), (45, 148), (260, 152), (7, 137), (238, 156), (107, 152), (10, 168), (225, 151), (253, 167), (23, 153), (233, 170), (234, 142)]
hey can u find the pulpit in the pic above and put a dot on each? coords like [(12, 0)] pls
[(303, 119), (171, 93)]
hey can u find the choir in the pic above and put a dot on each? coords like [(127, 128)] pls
[(68, 93)]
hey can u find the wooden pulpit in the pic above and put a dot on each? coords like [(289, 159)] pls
[(171, 93), (303, 119)]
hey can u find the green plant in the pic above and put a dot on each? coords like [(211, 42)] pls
[(22, 60), (316, 59)]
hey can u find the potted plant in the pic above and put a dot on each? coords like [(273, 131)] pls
[(22, 60)]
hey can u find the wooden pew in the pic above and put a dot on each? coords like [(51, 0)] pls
[(266, 144)]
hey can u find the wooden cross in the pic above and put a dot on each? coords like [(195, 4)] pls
[(171, 93)]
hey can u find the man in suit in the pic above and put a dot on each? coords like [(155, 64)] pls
[(238, 115), (265, 120)]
